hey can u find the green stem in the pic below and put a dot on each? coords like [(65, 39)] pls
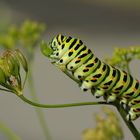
[(122, 112), (129, 124), (60, 105), (39, 112), (128, 69), (5, 90), (127, 64), (8, 132)]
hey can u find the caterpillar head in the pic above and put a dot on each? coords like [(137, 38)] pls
[(57, 41)]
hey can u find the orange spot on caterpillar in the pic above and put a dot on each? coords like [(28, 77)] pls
[(86, 69), (72, 50), (112, 77), (78, 59), (136, 110), (93, 78), (135, 89)]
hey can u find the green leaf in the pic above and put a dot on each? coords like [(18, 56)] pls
[(45, 49)]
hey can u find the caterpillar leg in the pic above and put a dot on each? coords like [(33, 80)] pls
[(86, 85), (93, 90), (131, 116), (133, 113), (123, 101), (111, 98), (99, 92)]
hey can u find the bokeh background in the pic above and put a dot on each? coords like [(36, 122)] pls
[(102, 25)]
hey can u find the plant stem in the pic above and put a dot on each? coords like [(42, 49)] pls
[(122, 112), (130, 125), (127, 64), (8, 132), (5, 90), (39, 112), (60, 105), (128, 69)]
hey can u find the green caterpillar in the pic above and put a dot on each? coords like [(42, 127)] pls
[(112, 83)]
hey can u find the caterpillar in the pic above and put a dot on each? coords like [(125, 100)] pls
[(74, 56)]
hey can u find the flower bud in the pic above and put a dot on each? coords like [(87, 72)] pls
[(2, 77), (10, 77), (12, 64), (22, 59)]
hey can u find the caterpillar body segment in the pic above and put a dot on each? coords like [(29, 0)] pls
[(87, 68), (103, 79), (108, 83), (134, 112), (134, 101), (132, 92), (120, 86), (70, 54), (95, 78), (79, 60)]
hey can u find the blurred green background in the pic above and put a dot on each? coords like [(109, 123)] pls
[(102, 25)]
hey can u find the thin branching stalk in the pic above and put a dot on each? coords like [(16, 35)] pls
[(127, 64), (39, 112), (8, 132), (120, 109), (60, 105)]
